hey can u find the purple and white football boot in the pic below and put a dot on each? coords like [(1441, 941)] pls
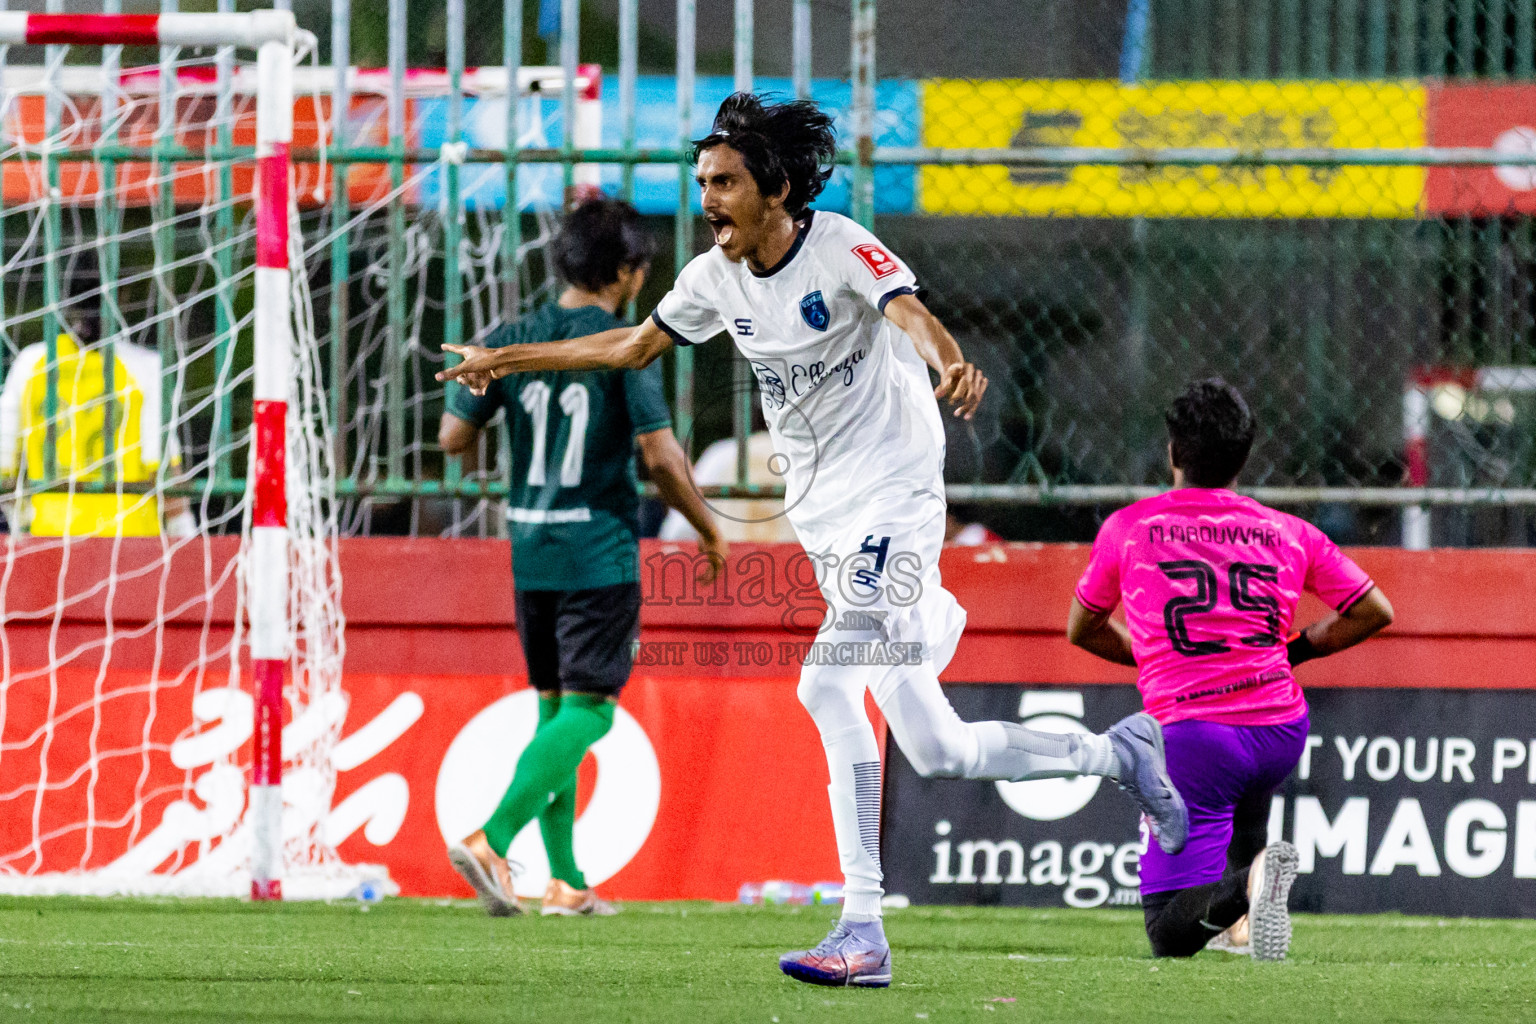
[(853, 953)]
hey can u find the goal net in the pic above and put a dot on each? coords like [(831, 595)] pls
[(172, 639)]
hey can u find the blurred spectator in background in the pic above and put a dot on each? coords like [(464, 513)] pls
[(967, 535), (80, 432), (755, 520)]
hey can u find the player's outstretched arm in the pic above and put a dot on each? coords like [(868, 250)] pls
[(1341, 630), (960, 382), (1098, 634), (624, 348), (668, 467)]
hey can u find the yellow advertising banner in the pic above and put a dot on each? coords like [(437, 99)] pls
[(1157, 115)]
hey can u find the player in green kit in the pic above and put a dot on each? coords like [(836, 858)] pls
[(573, 517)]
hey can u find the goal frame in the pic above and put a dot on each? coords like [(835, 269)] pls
[(271, 34)]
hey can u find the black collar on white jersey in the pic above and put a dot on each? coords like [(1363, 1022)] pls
[(805, 229)]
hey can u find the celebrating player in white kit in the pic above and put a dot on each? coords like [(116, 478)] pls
[(841, 347)]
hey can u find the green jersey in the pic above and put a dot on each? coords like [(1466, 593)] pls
[(573, 510)]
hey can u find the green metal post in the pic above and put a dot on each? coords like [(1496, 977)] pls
[(570, 43), (801, 49), (862, 112), (394, 352), (1347, 38), (1376, 38), (1258, 39), (341, 242), (1499, 349), (107, 225), (1495, 38), (223, 238), (1231, 21), (1289, 42), (1525, 38), (1466, 38), (1408, 39), (1314, 63), (511, 223), (683, 225), (629, 61), (1200, 30), (54, 56), (165, 248), (453, 213), (1437, 41), (1165, 58), (511, 218), (1319, 37), (741, 372)]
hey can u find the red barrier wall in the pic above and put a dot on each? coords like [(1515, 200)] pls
[(741, 775)]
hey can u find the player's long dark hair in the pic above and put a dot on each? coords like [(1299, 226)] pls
[(1211, 431), (791, 141)]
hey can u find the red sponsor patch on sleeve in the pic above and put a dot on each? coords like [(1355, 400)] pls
[(879, 262)]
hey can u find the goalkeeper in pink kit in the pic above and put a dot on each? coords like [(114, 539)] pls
[(1210, 581)]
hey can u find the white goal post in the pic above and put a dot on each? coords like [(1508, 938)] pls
[(265, 557)]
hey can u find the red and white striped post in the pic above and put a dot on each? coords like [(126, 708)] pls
[(270, 33), (251, 30), (268, 562)]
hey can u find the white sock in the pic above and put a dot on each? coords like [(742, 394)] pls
[(939, 744), (835, 700), (1098, 755)]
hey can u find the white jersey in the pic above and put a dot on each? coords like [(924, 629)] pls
[(845, 395)]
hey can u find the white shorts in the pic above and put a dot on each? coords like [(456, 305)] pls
[(878, 569)]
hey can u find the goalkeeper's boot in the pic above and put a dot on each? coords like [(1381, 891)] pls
[(565, 900), (1269, 893), (490, 875), (854, 953), (1138, 743)]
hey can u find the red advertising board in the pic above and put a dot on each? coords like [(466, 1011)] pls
[(712, 776), (1501, 117)]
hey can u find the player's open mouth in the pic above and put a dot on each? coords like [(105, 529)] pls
[(722, 228)]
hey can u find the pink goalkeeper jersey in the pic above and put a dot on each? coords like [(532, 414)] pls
[(1210, 581)]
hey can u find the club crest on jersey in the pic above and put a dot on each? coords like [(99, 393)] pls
[(770, 384), (813, 308), (876, 259)]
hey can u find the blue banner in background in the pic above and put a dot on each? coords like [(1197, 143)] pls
[(898, 122)]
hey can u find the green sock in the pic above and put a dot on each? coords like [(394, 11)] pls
[(549, 706), (548, 764), (557, 822)]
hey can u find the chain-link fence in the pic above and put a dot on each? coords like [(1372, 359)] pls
[(1347, 256)]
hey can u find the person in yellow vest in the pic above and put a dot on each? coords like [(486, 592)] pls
[(80, 452)]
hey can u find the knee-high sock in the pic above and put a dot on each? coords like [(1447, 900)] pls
[(835, 698), (557, 822), (548, 763), (939, 744)]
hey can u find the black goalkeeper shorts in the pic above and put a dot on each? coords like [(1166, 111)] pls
[(579, 641)]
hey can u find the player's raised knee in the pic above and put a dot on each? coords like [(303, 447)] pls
[(933, 758)]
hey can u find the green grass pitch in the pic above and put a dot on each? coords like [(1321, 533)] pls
[(422, 960)]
